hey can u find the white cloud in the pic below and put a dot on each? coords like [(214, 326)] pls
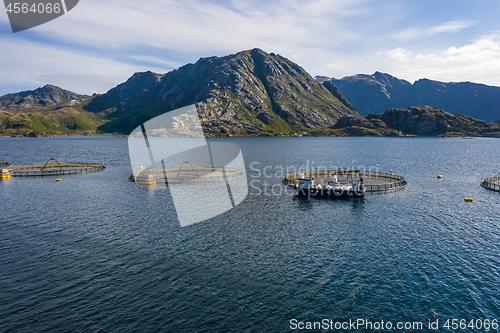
[(336, 66), (412, 33), (156, 61), (407, 34), (450, 27), (33, 65), (193, 25), (398, 54), (114, 37), (99, 44), (477, 61)]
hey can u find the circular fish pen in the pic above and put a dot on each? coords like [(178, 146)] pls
[(372, 181), (492, 183), (185, 173), (53, 167)]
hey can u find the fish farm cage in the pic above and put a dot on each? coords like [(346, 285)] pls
[(186, 173), (53, 167), (492, 183), (372, 181)]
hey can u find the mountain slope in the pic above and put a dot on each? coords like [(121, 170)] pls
[(379, 92), (417, 121), (251, 92), (48, 110), (47, 95), (49, 121)]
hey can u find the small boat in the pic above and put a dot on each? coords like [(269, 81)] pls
[(4, 174), (331, 189)]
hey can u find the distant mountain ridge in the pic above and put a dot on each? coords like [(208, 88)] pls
[(379, 92), (250, 92), (414, 121), (47, 95), (46, 111), (253, 93)]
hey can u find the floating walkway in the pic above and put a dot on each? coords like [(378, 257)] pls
[(185, 173), (492, 183), (53, 167), (372, 181)]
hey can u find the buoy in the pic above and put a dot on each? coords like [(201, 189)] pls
[(58, 180), (468, 199), (439, 176), (141, 167)]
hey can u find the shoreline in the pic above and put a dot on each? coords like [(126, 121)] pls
[(269, 136)]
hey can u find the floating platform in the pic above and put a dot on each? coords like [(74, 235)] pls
[(307, 188), (53, 167), (372, 181), (185, 173), (492, 183)]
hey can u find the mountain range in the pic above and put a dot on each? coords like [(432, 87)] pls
[(413, 121), (48, 110), (45, 96), (379, 92), (250, 93)]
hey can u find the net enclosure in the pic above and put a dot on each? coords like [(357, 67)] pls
[(372, 181), (492, 183), (186, 173), (53, 167)]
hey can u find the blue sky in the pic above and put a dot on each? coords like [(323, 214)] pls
[(101, 43)]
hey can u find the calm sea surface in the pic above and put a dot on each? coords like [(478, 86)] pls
[(97, 253)]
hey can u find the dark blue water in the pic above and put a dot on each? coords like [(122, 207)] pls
[(96, 253)]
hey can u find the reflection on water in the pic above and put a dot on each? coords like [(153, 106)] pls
[(358, 207), (303, 203)]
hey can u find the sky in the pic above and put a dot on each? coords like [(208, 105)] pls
[(101, 43)]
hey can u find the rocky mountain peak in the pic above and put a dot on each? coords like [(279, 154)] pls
[(380, 91), (415, 121), (388, 79), (48, 95), (250, 92)]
